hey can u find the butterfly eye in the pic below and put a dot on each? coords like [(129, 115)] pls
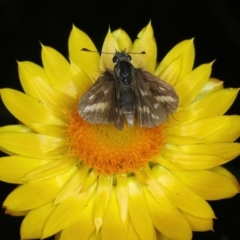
[(129, 58), (114, 59)]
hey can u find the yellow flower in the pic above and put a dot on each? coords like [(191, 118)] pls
[(87, 181)]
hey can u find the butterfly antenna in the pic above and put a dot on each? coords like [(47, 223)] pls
[(143, 52), (87, 50)]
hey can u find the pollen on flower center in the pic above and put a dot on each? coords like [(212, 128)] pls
[(110, 151)]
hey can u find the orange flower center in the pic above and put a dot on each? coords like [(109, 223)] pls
[(110, 151)]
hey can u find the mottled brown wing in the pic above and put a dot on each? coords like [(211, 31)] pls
[(162, 91), (96, 105), (117, 113), (155, 99)]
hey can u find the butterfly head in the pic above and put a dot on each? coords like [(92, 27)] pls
[(121, 56)]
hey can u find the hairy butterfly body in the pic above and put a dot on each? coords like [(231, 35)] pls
[(128, 93)]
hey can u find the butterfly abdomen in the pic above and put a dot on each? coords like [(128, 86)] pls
[(128, 104)]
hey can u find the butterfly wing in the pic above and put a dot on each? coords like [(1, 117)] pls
[(117, 113), (96, 104), (155, 99), (101, 104)]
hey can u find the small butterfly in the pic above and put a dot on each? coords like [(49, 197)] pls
[(128, 93)]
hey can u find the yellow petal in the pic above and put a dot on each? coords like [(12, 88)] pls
[(230, 131), (73, 185), (181, 140), (112, 227), (103, 194), (83, 226), (33, 224), (31, 145), (95, 236), (182, 196), (132, 233), (16, 103), (57, 236), (161, 160), (109, 46), (86, 61), (59, 103), (198, 224), (171, 73), (28, 72), (15, 128), (16, 167), (123, 40), (55, 131), (221, 100), (67, 212), (16, 213), (44, 128), (58, 71), (199, 109), (209, 185), (177, 63), (201, 156), (184, 116), (90, 180), (138, 207), (212, 85), (145, 42), (160, 236), (215, 129), (80, 79), (51, 130), (193, 82), (228, 151), (50, 169), (170, 223), (34, 194), (122, 198), (157, 191), (190, 161), (223, 171)]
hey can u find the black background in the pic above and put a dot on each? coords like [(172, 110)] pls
[(215, 24)]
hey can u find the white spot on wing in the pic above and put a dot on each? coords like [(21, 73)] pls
[(156, 105), (130, 121), (91, 97), (165, 99), (96, 107), (146, 109), (106, 91), (153, 116), (143, 93)]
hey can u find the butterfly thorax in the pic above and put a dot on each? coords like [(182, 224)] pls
[(124, 72)]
